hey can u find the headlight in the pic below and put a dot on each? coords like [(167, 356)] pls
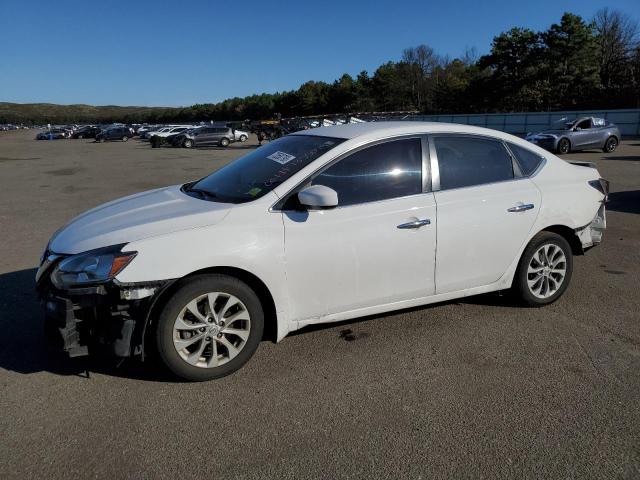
[(96, 266)]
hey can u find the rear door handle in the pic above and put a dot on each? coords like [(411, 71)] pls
[(521, 208), (415, 224)]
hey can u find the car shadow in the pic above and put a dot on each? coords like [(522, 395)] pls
[(629, 158), (627, 202), (24, 349)]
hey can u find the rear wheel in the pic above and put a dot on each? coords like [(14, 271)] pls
[(544, 271), (188, 143), (209, 328), (101, 140), (564, 145), (80, 136), (610, 145), (243, 138), (224, 142), (125, 138)]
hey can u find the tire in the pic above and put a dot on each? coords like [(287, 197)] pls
[(80, 137), (564, 146), (125, 139), (195, 360), (243, 138), (101, 140), (534, 270), (188, 143), (224, 142), (610, 145)]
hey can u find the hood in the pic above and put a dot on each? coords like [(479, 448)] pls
[(136, 217), (555, 132)]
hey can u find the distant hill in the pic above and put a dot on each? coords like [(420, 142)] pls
[(39, 113)]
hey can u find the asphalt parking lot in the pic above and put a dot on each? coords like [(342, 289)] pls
[(476, 388)]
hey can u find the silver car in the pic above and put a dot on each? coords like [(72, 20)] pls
[(582, 133)]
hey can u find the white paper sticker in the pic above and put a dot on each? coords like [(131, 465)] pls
[(280, 157)]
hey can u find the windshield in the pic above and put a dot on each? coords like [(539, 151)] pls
[(564, 123), (259, 172)]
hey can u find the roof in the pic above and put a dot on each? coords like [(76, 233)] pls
[(354, 130)]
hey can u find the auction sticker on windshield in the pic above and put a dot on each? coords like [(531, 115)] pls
[(280, 157)]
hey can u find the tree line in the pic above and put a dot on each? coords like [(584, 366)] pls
[(574, 64)]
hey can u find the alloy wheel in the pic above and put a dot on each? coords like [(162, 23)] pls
[(612, 143), (211, 330), (547, 270)]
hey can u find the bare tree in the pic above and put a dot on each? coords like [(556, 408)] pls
[(618, 37)]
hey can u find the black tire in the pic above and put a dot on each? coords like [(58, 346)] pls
[(188, 143), (520, 287), (101, 140), (125, 139), (564, 146), (193, 288), (224, 142), (80, 136), (243, 138), (610, 145)]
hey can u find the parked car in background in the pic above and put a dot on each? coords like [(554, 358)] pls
[(114, 133), (570, 135), (165, 132), (240, 136), (197, 272), (205, 136), (89, 131), (53, 134)]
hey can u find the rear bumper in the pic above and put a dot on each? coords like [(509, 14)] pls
[(591, 235)]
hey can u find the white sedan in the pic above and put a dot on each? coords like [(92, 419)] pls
[(318, 226)]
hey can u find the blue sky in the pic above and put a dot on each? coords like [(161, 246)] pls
[(179, 53)]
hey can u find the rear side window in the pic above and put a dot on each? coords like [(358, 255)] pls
[(527, 160), (387, 170), (468, 161)]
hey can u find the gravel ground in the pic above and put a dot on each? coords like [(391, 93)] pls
[(475, 388)]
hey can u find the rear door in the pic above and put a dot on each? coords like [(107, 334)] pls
[(486, 208)]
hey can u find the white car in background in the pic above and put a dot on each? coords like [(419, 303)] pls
[(240, 136), (165, 132), (318, 226)]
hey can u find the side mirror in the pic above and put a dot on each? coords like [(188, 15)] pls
[(318, 196)]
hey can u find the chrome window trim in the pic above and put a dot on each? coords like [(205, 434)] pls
[(420, 136), (435, 171)]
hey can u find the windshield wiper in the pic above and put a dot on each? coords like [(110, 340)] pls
[(206, 194)]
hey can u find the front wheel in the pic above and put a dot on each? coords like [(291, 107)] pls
[(125, 138), (610, 145), (80, 136), (188, 143), (544, 271), (564, 146), (101, 140), (209, 328)]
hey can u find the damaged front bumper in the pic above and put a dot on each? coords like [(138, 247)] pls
[(104, 319)]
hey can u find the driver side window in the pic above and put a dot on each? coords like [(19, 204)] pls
[(380, 172), (584, 124)]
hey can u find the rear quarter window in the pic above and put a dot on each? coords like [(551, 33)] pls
[(528, 160)]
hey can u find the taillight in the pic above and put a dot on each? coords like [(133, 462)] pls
[(601, 185)]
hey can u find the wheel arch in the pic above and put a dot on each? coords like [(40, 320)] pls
[(253, 281), (569, 235)]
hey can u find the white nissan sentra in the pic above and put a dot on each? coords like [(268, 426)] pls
[(318, 226)]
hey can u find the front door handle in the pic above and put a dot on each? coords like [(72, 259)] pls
[(415, 224), (521, 207)]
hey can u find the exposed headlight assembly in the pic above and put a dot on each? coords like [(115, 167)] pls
[(89, 268)]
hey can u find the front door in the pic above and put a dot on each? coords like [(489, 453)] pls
[(377, 247), (485, 211)]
